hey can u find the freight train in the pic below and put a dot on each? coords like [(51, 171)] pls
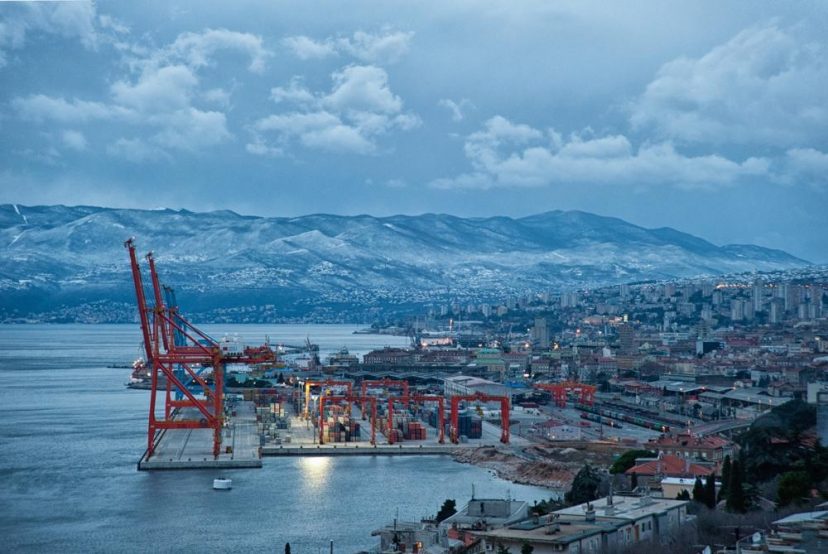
[(602, 420), (634, 419), (645, 413)]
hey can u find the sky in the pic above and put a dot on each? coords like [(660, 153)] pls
[(709, 117)]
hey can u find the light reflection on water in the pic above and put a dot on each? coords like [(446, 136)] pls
[(315, 471), (71, 434)]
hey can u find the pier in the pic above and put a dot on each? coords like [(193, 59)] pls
[(193, 448)]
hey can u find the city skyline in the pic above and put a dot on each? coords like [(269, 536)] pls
[(710, 121)]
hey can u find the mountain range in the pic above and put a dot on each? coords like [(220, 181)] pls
[(68, 263)]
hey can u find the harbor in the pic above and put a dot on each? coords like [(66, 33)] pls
[(193, 448), (100, 426)]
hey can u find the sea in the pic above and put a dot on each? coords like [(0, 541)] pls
[(71, 434)]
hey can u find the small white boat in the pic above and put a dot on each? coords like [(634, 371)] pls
[(222, 484)]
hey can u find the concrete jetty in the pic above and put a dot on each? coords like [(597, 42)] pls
[(342, 449), (193, 448)]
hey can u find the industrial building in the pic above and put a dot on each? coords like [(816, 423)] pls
[(605, 525), (465, 385)]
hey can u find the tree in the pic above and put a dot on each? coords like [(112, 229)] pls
[(502, 549), (584, 486), (627, 460), (698, 491), (773, 443), (287, 548), (710, 491), (735, 492), (793, 487), (448, 509), (545, 506), (683, 495), (726, 470), (526, 548), (634, 481)]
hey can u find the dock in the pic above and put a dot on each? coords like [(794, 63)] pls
[(364, 450), (304, 442), (193, 448)]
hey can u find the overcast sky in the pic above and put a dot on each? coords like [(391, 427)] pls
[(710, 117)]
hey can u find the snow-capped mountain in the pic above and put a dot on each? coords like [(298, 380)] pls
[(57, 256)]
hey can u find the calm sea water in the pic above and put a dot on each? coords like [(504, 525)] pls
[(71, 433)]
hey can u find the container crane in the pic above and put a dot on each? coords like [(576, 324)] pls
[(386, 384), (179, 339), (327, 383), (167, 357), (504, 414), (349, 399), (560, 392), (406, 400)]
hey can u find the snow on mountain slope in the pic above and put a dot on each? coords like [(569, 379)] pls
[(71, 254)]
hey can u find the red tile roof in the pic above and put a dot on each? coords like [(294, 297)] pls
[(670, 466), (687, 440)]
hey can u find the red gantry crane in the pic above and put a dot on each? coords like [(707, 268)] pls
[(504, 414), (386, 384), (327, 383), (406, 400), (560, 392), (349, 399), (159, 326)]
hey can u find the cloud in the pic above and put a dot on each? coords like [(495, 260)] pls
[(505, 154), (766, 86), (322, 130), (295, 92), (71, 20), (455, 108), (157, 89), (40, 108), (160, 95), (388, 47), (259, 148), (384, 47), (217, 96), (109, 22), (807, 165), (136, 151), (306, 48), (74, 140), (396, 183), (197, 49), (193, 130), (358, 109), (359, 88)]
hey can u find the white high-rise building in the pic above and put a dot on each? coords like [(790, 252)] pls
[(792, 298), (737, 310), (625, 291), (707, 313), (758, 296), (777, 311), (540, 332), (569, 300)]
